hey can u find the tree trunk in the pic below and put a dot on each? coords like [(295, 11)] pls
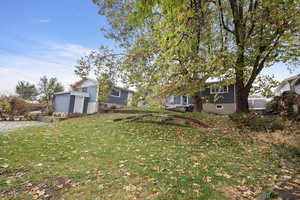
[(198, 104), (242, 95)]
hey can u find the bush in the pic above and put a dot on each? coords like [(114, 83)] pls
[(11, 106), (286, 105), (257, 122)]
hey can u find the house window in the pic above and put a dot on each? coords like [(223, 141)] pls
[(171, 99), (115, 93), (219, 90), (219, 107), (84, 89), (184, 100)]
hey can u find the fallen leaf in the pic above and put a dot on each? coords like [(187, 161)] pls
[(130, 188), (4, 165), (101, 187), (207, 179)]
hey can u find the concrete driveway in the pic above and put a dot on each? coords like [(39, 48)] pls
[(6, 126)]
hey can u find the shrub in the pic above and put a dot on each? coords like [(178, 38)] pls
[(257, 122), (286, 105), (12, 105)]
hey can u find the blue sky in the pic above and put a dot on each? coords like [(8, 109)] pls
[(48, 37)]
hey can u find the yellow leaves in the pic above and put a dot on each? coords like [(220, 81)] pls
[(101, 187), (243, 181), (122, 163), (4, 165), (206, 179), (196, 191), (196, 185), (37, 192), (194, 158), (39, 165), (130, 188), (224, 175)]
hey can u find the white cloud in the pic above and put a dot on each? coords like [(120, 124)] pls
[(55, 60), (44, 20), (67, 50)]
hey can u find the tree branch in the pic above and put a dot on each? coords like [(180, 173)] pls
[(222, 18), (250, 10), (259, 65)]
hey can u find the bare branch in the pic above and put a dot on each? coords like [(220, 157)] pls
[(222, 18)]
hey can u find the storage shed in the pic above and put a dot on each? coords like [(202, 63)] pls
[(71, 102)]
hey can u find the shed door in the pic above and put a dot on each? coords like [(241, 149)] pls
[(78, 105)]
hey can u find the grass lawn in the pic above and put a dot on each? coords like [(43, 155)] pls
[(92, 158)]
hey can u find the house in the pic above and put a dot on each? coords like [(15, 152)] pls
[(217, 99), (82, 98), (289, 84)]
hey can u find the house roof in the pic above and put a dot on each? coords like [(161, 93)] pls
[(80, 82), (75, 93), (294, 80)]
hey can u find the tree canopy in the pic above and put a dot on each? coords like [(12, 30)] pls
[(180, 44), (47, 88), (26, 90)]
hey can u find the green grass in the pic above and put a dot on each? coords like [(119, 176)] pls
[(106, 160)]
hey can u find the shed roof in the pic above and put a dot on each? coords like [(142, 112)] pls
[(75, 93)]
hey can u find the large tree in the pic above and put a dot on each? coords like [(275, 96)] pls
[(160, 57), (262, 33), (26, 90), (47, 88), (201, 39)]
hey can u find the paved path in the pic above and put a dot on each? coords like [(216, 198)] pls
[(11, 125)]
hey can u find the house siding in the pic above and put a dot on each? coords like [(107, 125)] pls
[(223, 98), (228, 108), (122, 100), (91, 90), (61, 103), (297, 89)]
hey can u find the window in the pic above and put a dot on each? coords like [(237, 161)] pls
[(115, 93), (184, 100), (219, 90), (84, 89), (219, 106), (171, 99)]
